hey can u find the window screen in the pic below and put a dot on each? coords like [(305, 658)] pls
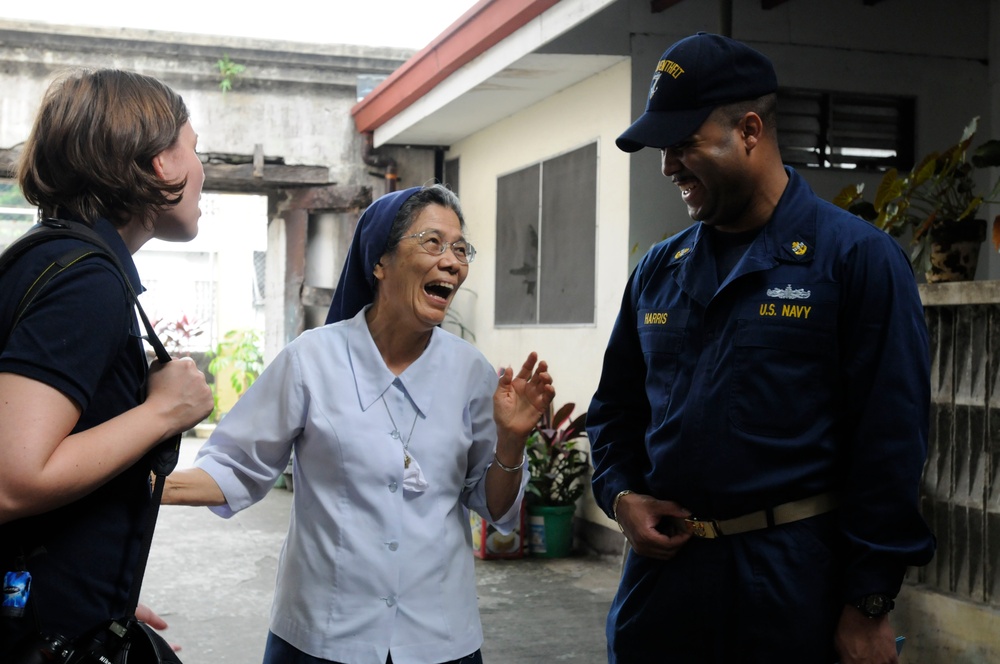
[(546, 247)]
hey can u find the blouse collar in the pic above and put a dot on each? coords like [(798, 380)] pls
[(372, 377)]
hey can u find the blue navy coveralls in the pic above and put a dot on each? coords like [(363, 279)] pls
[(81, 337), (806, 371)]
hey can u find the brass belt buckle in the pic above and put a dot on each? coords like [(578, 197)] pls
[(707, 529)]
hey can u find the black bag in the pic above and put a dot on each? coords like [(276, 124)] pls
[(117, 642), (122, 642), (125, 640)]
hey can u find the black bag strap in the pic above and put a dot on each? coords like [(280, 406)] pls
[(163, 458), (54, 229)]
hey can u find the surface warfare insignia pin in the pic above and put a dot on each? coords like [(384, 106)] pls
[(799, 248), (789, 293), (682, 253)]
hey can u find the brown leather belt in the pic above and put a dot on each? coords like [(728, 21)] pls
[(782, 514)]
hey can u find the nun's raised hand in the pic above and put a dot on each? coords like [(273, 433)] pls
[(520, 399)]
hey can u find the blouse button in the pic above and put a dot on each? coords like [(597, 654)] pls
[(390, 601), (393, 546), (393, 486)]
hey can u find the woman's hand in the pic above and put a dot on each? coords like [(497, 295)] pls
[(520, 400), (179, 393), (150, 617), (518, 403)]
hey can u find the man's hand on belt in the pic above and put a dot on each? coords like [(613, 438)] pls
[(654, 528)]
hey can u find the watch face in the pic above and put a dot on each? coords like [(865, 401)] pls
[(876, 605)]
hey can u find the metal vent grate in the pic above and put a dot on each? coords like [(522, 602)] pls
[(845, 130)]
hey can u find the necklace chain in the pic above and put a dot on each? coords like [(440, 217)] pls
[(395, 431)]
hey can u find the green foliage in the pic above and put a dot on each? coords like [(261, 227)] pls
[(229, 72), (10, 197), (939, 190), (558, 468), (240, 352)]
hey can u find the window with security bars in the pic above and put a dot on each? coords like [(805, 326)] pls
[(546, 241), (259, 277), (846, 130)]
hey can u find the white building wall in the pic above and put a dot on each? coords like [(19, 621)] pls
[(231, 229), (595, 110)]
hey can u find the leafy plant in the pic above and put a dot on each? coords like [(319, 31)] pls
[(939, 191), (558, 468), (176, 335), (229, 71), (239, 352)]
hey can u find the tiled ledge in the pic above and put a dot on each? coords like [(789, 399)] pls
[(960, 293)]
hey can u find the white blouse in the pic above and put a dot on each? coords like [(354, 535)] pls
[(368, 566)]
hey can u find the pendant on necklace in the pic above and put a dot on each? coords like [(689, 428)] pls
[(406, 461)]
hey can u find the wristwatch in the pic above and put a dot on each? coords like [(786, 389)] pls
[(875, 605)]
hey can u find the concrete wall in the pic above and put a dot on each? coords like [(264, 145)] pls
[(950, 609), (598, 108), (293, 98)]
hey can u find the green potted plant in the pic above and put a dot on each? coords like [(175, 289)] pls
[(938, 201), (558, 478), (237, 356)]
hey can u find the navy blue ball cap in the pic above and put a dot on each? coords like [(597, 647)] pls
[(693, 78)]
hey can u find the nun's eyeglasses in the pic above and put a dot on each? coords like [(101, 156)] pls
[(432, 243)]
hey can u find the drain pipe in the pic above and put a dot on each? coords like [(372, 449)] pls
[(372, 158)]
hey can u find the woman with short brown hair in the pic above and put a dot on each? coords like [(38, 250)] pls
[(79, 409)]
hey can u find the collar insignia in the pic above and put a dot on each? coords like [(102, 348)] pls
[(682, 253), (799, 248)]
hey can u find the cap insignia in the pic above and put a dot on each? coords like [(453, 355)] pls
[(670, 68)]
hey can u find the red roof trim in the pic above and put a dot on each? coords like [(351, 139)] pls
[(475, 32)]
